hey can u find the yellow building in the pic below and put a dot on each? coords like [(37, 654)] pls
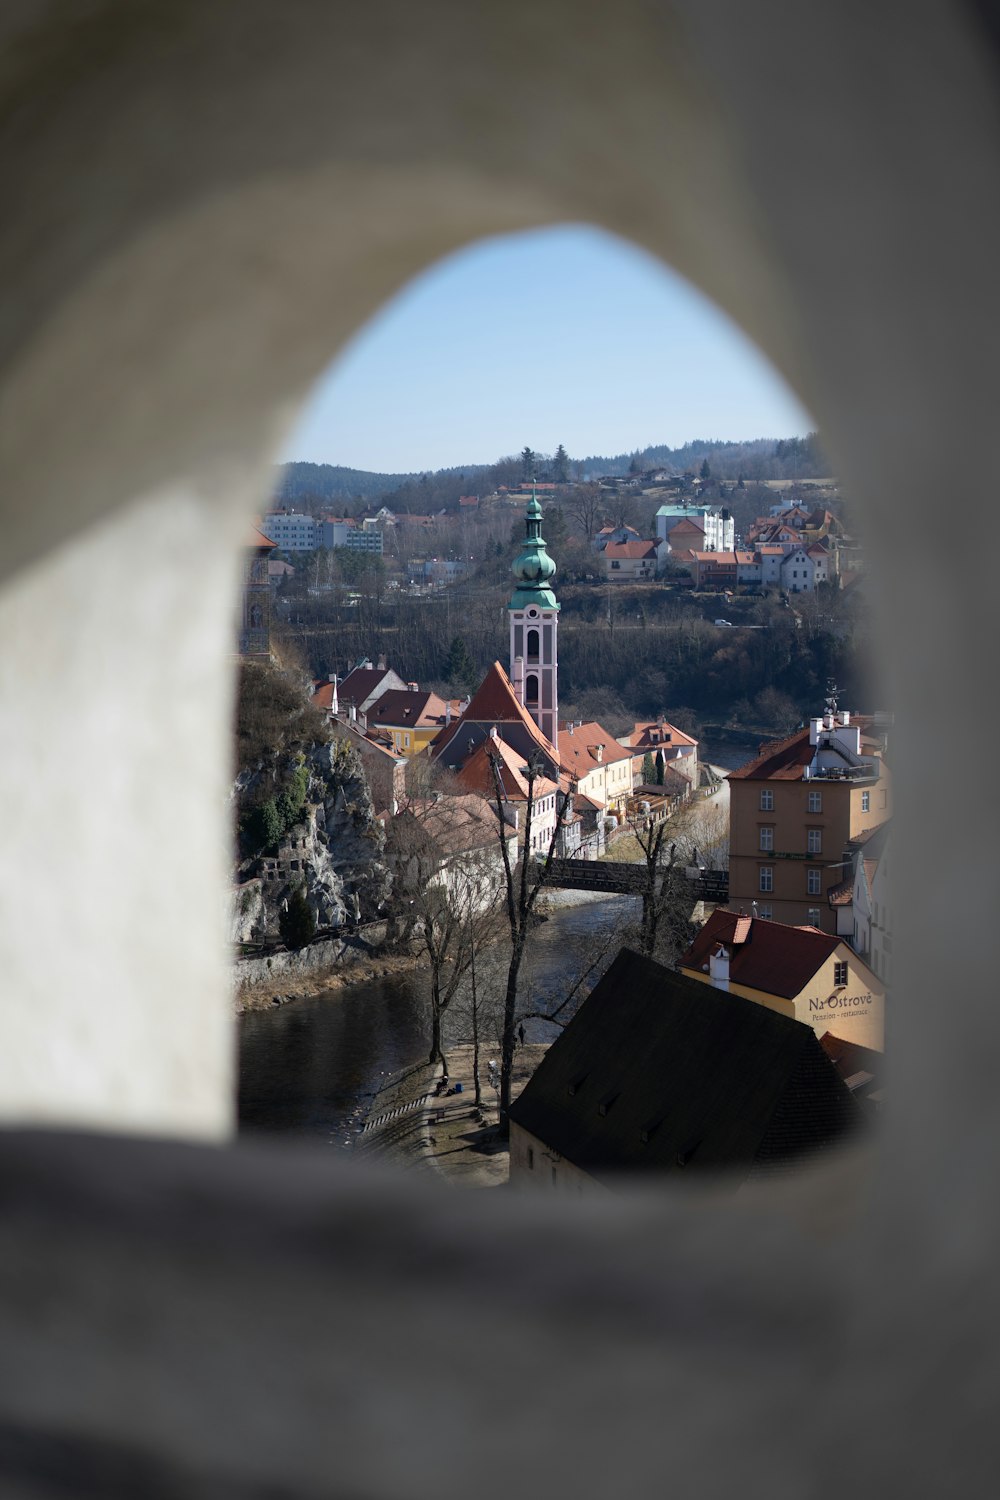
[(811, 976), (411, 717)]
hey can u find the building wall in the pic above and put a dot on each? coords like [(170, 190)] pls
[(536, 1168), (841, 817), (854, 1010), (881, 931)]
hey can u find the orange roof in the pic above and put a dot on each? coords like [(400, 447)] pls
[(577, 748), (633, 551), (256, 538), (641, 736), (685, 525), (477, 773), (495, 702), (721, 559)]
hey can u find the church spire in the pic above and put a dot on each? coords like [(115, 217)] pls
[(534, 618)]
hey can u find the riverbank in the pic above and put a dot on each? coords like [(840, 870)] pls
[(411, 1126), (333, 972)]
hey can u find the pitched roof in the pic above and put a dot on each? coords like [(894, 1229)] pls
[(842, 894), (577, 748), (659, 1072), (685, 526), (256, 538), (495, 702), (721, 559), (780, 760), (772, 957), (360, 683), (476, 775), (455, 825), (655, 735), (631, 551), (407, 709)]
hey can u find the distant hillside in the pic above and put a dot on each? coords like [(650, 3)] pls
[(306, 485), (315, 486)]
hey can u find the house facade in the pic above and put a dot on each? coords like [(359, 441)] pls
[(794, 811), (807, 975)]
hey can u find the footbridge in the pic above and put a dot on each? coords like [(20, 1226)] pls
[(629, 879)]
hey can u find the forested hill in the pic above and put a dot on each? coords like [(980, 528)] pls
[(312, 487), (756, 458), (300, 483)]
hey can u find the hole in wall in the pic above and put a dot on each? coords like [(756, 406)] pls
[(557, 397)]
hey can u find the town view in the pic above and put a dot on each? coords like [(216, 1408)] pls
[(562, 809)]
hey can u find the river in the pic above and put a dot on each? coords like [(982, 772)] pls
[(312, 1068)]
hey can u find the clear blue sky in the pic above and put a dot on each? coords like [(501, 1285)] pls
[(565, 335)]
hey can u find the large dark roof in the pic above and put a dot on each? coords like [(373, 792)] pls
[(659, 1071)]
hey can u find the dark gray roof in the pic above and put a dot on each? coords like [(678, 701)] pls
[(660, 1071)]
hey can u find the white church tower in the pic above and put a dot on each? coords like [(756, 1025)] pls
[(534, 618)]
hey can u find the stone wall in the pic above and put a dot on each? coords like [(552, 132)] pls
[(329, 953)]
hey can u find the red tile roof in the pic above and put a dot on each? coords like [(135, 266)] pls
[(256, 538), (842, 894), (781, 760), (576, 749), (641, 736), (495, 702), (360, 683), (476, 775), (631, 551), (771, 957)]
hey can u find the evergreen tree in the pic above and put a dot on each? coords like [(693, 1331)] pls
[(706, 471), (560, 465), (648, 769), (528, 461), (460, 668), (660, 767)]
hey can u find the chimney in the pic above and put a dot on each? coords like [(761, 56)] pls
[(828, 720), (815, 725), (845, 717), (381, 662), (414, 687), (447, 713), (718, 968), (334, 700), (353, 712), (569, 727)]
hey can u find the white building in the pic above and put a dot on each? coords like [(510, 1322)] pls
[(291, 531), (718, 524)]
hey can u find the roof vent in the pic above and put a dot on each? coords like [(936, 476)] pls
[(607, 1103), (575, 1084)]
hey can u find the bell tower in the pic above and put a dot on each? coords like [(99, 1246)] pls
[(534, 618)]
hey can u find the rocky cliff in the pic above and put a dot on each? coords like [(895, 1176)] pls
[(330, 847)]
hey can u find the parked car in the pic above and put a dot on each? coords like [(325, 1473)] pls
[(725, 622)]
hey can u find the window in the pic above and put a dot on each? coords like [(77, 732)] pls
[(765, 912), (767, 838), (866, 801), (814, 882), (815, 801), (840, 972), (615, 564), (406, 741), (531, 1158), (533, 644), (767, 877), (883, 798), (815, 841), (814, 915), (766, 799), (531, 689)]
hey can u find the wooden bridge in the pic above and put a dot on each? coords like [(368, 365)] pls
[(617, 878)]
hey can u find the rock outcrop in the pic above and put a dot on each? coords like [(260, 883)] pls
[(332, 852)]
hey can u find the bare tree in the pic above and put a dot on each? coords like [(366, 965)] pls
[(523, 884), (586, 505), (449, 900)]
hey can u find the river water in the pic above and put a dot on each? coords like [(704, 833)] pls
[(312, 1068)]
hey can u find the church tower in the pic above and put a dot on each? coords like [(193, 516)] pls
[(534, 617)]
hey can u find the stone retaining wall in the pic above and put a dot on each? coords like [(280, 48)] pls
[(330, 953)]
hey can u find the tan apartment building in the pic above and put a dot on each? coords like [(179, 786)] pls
[(795, 809)]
